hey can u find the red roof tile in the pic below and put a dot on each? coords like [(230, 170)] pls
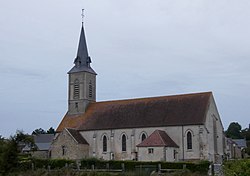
[(187, 109), (158, 138)]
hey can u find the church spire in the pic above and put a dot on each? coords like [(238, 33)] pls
[(82, 53), (82, 79), (82, 60)]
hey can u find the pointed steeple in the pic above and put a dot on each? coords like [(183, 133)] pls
[(82, 60), (82, 52)]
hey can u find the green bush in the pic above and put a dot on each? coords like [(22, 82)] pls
[(201, 167), (26, 164), (130, 166), (237, 167)]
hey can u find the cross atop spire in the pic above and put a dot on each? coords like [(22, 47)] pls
[(82, 16)]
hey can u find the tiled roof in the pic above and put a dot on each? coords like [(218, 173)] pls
[(70, 121), (77, 136), (187, 109), (158, 139)]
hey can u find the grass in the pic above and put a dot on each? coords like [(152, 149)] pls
[(64, 172)]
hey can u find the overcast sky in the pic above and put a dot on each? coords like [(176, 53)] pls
[(139, 48)]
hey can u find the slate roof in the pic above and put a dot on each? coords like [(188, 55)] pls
[(186, 109), (42, 141), (82, 60), (158, 138), (240, 142), (77, 136)]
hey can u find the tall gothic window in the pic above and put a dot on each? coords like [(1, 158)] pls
[(124, 143), (189, 140), (90, 89), (76, 89), (143, 137), (104, 144)]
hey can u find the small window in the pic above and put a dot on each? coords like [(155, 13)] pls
[(143, 137), (150, 151), (63, 150), (76, 89), (124, 143), (90, 90), (50, 154), (175, 152), (189, 140), (104, 145)]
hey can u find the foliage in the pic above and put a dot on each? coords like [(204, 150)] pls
[(248, 147), (237, 167), (51, 131), (234, 131), (20, 137), (8, 155), (9, 150), (201, 167), (245, 133), (130, 166), (37, 131)]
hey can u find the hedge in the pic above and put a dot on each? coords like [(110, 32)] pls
[(27, 164), (201, 166)]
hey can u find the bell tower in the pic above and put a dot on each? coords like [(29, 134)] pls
[(82, 80)]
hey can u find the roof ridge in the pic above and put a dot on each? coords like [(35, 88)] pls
[(157, 97), (160, 136)]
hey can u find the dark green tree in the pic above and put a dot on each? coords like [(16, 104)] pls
[(10, 149), (51, 130), (38, 131), (245, 133), (234, 131)]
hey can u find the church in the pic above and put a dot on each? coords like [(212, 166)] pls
[(184, 127)]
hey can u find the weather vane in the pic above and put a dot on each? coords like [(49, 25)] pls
[(82, 15)]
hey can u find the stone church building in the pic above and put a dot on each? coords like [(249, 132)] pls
[(167, 128)]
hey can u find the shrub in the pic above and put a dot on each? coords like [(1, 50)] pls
[(237, 167)]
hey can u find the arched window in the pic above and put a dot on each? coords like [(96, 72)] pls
[(124, 143), (104, 144), (76, 89), (90, 89), (143, 136), (189, 140)]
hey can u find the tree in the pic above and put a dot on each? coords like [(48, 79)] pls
[(38, 131), (51, 130), (9, 150), (234, 131), (246, 133)]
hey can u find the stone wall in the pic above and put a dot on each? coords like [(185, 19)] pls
[(133, 136), (84, 79), (214, 141), (65, 147)]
